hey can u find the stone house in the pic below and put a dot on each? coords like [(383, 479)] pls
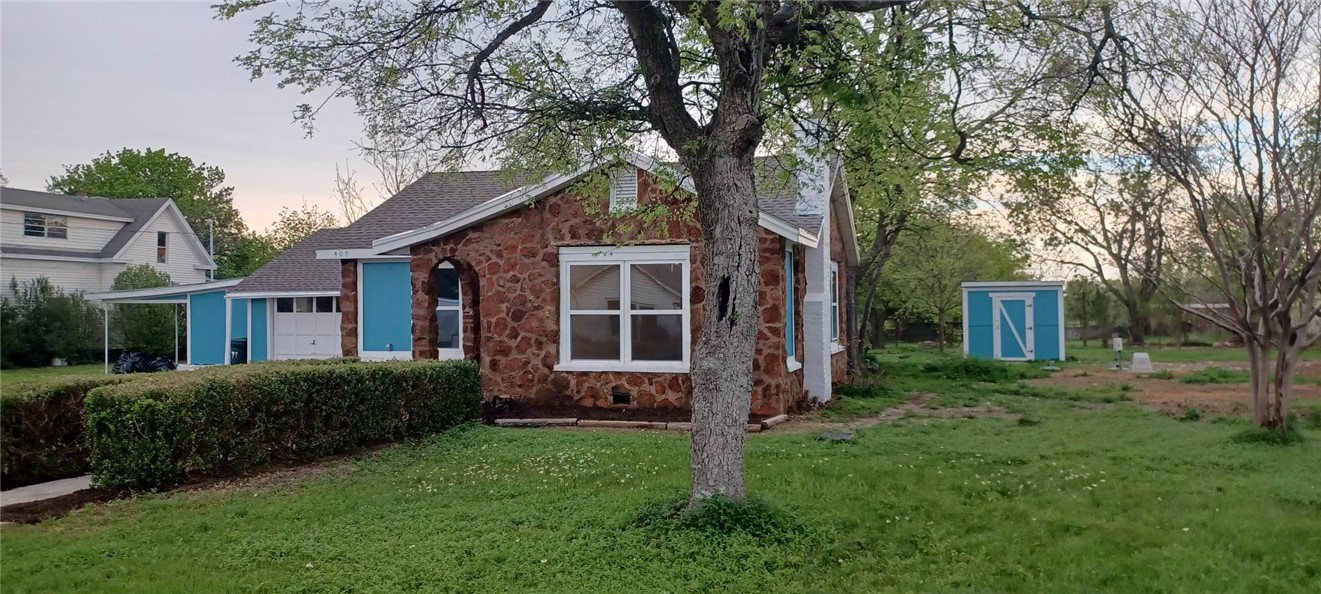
[(564, 295)]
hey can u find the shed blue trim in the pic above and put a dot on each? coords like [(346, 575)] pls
[(238, 318), (1005, 331), (206, 328), (387, 307), (260, 331)]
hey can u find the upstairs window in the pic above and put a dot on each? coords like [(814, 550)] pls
[(36, 224), (623, 189), (624, 309), (162, 246)]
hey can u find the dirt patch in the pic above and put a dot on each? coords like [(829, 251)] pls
[(915, 407), (1170, 396), (518, 410), (36, 511)]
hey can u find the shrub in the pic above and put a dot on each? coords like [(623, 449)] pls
[(41, 430), (721, 515), (42, 322), (1270, 436), (160, 430), (979, 370), (1215, 375), (1191, 414), (1163, 374)]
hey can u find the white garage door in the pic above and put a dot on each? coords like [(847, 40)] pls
[(306, 328)]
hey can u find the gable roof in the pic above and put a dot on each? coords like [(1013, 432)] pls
[(778, 201), (135, 213)]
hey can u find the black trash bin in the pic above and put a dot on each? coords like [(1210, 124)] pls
[(238, 351)]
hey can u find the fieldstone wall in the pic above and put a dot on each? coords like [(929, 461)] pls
[(839, 362), (348, 307), (509, 270)]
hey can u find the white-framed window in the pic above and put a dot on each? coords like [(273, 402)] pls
[(449, 313), (162, 246), (834, 301), (325, 304), (623, 189), (625, 308), (37, 224)]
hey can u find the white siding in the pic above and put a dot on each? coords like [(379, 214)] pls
[(70, 276), (182, 260), (84, 234)]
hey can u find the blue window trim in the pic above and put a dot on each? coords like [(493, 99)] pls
[(789, 310)]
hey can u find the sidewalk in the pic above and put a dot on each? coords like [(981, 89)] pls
[(42, 491)]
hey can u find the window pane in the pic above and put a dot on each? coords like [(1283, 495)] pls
[(594, 337), (447, 287), (656, 286), (284, 305), (302, 304), (57, 232), (658, 338), (448, 322), (325, 304), (594, 287), (336, 304), (162, 239)]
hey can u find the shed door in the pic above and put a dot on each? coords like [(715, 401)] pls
[(1014, 331), (306, 328)]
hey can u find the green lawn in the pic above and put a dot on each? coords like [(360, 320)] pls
[(1092, 497), (14, 379), (1100, 352)]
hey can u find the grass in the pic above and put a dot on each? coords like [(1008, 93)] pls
[(1101, 353), (1076, 499), (15, 379), (1216, 375)]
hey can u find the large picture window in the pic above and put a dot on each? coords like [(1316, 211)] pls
[(624, 308)]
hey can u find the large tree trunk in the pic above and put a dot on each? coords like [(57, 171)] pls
[(940, 330), (722, 363), (1259, 368), (1137, 323), (853, 328)]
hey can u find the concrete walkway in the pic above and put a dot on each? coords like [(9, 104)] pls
[(45, 490)]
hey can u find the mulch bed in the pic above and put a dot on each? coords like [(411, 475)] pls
[(517, 410), (36, 511)]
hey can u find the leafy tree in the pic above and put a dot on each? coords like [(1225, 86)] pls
[(1087, 302), (931, 262), (41, 322), (250, 252), (548, 86), (144, 327), (197, 189), (295, 225)]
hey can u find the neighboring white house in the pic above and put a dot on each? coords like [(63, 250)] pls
[(80, 243)]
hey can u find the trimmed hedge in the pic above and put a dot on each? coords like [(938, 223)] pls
[(41, 430), (162, 430)]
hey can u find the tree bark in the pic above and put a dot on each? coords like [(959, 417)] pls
[(940, 329), (1137, 324), (722, 362)]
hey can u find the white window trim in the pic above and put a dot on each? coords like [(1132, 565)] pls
[(457, 352), (46, 220), (834, 307), (623, 203), (159, 258), (625, 256)]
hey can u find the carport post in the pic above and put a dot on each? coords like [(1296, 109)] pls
[(105, 318), (176, 334)]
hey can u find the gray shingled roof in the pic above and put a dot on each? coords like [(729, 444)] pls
[(437, 197), (141, 209), (298, 269), (138, 210)]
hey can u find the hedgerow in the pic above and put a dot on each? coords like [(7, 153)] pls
[(41, 430), (162, 430)]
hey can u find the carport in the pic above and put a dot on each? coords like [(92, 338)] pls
[(205, 317)]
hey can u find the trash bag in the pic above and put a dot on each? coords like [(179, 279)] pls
[(140, 362), (130, 362), (160, 364)]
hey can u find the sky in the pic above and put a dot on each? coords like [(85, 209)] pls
[(78, 79)]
